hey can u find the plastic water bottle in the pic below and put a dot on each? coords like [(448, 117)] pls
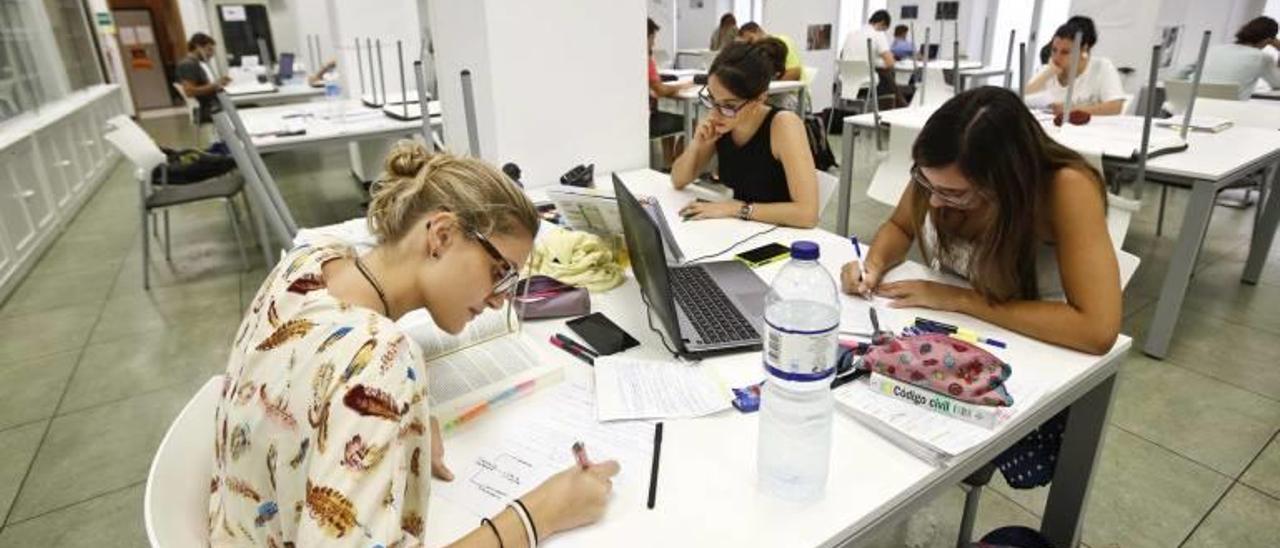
[(333, 95), (802, 317)]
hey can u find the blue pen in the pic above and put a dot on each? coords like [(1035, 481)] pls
[(862, 265)]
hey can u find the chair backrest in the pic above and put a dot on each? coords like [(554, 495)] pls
[(176, 504), (193, 106), (706, 58), (1178, 93), (935, 89), (827, 185), (854, 76), (807, 74), (134, 143)]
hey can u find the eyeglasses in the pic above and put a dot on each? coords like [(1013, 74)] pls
[(725, 109), (510, 274), (953, 198)]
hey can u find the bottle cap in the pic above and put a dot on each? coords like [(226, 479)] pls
[(804, 250)]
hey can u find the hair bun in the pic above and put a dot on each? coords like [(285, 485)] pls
[(406, 159)]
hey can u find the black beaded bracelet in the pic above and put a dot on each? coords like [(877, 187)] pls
[(494, 528), (530, 516)]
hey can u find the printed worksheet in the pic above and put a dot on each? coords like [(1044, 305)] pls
[(513, 452)]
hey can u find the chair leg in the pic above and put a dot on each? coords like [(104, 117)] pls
[(972, 497), (1164, 194), (146, 251), (167, 255), (235, 229)]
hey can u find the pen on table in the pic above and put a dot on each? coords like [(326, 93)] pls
[(957, 332), (653, 471), (576, 353), (580, 454), (576, 345)]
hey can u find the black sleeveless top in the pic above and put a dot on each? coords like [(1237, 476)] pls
[(751, 170)]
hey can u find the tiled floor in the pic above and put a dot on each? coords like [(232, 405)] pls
[(95, 368)]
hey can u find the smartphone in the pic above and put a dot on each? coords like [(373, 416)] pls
[(764, 254), (601, 334)]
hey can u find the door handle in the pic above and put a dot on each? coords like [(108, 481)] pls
[(63, 163), (26, 194)]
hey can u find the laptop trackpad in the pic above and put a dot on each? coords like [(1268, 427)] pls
[(742, 285)]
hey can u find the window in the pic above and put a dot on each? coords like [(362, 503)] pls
[(46, 51), (21, 88), (71, 29)]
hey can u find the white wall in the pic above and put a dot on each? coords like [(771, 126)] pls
[(663, 12), (576, 95), (695, 25), (1127, 30), (792, 19), (972, 14), (385, 20)]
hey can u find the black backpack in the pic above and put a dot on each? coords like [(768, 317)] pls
[(193, 166), (815, 129)]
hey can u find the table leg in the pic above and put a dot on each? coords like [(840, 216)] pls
[(801, 103), (1190, 238), (1081, 445), (1264, 229), (846, 178)]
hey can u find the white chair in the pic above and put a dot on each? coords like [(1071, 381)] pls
[(807, 75), (934, 89), (854, 76), (193, 112), (134, 143), (827, 185), (1178, 93), (176, 504)]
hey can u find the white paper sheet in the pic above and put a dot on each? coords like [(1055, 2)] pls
[(628, 388), (517, 451)]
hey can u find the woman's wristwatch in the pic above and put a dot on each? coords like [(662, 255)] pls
[(744, 212)]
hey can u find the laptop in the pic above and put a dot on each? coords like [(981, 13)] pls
[(704, 308)]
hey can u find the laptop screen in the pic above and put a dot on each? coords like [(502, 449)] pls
[(648, 259), (285, 69)]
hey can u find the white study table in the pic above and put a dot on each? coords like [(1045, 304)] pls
[(911, 65), (1210, 163), (294, 91), (358, 123), (706, 493), (688, 99)]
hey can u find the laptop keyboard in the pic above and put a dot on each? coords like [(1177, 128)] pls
[(709, 310)]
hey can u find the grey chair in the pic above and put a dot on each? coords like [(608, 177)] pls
[(134, 143)]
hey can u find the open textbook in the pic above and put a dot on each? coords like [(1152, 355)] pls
[(490, 363)]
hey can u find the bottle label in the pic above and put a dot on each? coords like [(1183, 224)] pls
[(799, 355)]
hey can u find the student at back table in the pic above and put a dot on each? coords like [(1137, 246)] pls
[(753, 32), (763, 152), (196, 77), (1023, 218), (1243, 62), (1097, 88)]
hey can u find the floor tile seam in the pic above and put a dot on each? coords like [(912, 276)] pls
[(112, 401), (49, 425), (43, 513), (1179, 365), (1200, 522), (1187, 458), (24, 424)]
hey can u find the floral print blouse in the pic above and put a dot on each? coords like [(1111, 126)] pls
[(322, 435)]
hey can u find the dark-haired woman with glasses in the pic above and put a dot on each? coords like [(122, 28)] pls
[(763, 152), (1021, 217)]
